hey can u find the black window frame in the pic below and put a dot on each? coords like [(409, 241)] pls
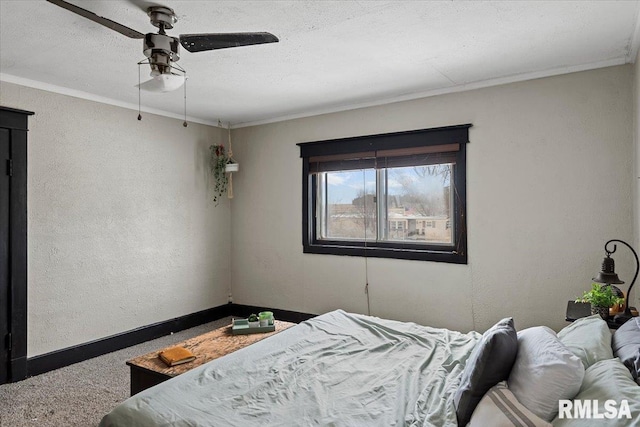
[(455, 253)]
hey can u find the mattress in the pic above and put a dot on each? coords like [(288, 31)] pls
[(337, 369)]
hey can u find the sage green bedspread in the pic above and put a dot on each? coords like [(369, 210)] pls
[(338, 369)]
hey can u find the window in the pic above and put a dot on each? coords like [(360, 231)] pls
[(397, 195)]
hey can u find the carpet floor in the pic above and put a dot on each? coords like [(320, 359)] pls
[(81, 394)]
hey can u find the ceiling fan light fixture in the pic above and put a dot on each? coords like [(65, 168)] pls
[(163, 82)]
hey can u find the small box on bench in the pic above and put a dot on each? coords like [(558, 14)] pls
[(241, 327)]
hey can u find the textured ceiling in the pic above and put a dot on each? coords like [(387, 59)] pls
[(331, 55)]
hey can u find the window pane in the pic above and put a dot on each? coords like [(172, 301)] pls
[(419, 204), (346, 205)]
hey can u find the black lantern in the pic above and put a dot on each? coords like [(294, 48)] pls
[(608, 276)]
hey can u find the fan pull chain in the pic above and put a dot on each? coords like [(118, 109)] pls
[(185, 101), (139, 114)]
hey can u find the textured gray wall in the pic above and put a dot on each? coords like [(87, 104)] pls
[(636, 174), (549, 181), (122, 231)]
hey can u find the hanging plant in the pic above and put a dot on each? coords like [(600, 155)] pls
[(218, 161), (223, 165)]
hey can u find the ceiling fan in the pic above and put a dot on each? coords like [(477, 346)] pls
[(163, 50)]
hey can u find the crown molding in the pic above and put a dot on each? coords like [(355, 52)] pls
[(9, 78), (443, 91)]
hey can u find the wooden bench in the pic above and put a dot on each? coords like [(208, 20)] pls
[(148, 370)]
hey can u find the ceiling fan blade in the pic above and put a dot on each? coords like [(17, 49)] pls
[(98, 19), (202, 42)]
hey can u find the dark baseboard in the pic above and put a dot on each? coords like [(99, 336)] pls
[(242, 310), (18, 369), (67, 356)]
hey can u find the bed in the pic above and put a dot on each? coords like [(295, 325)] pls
[(345, 369)]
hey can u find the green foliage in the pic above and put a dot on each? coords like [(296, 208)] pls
[(601, 296), (253, 318), (218, 161)]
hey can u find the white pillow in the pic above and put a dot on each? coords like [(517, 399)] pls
[(544, 372), (500, 408), (589, 338), (603, 381)]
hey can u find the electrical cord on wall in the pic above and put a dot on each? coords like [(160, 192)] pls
[(366, 259)]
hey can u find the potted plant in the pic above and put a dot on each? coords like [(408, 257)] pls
[(218, 161), (222, 168), (601, 297), (254, 321), (232, 166)]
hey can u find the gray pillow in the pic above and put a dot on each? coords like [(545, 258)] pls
[(626, 346), (544, 372), (490, 363)]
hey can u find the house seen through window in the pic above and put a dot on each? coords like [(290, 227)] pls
[(408, 204), (399, 195)]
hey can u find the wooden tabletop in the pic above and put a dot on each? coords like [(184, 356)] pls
[(205, 347)]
